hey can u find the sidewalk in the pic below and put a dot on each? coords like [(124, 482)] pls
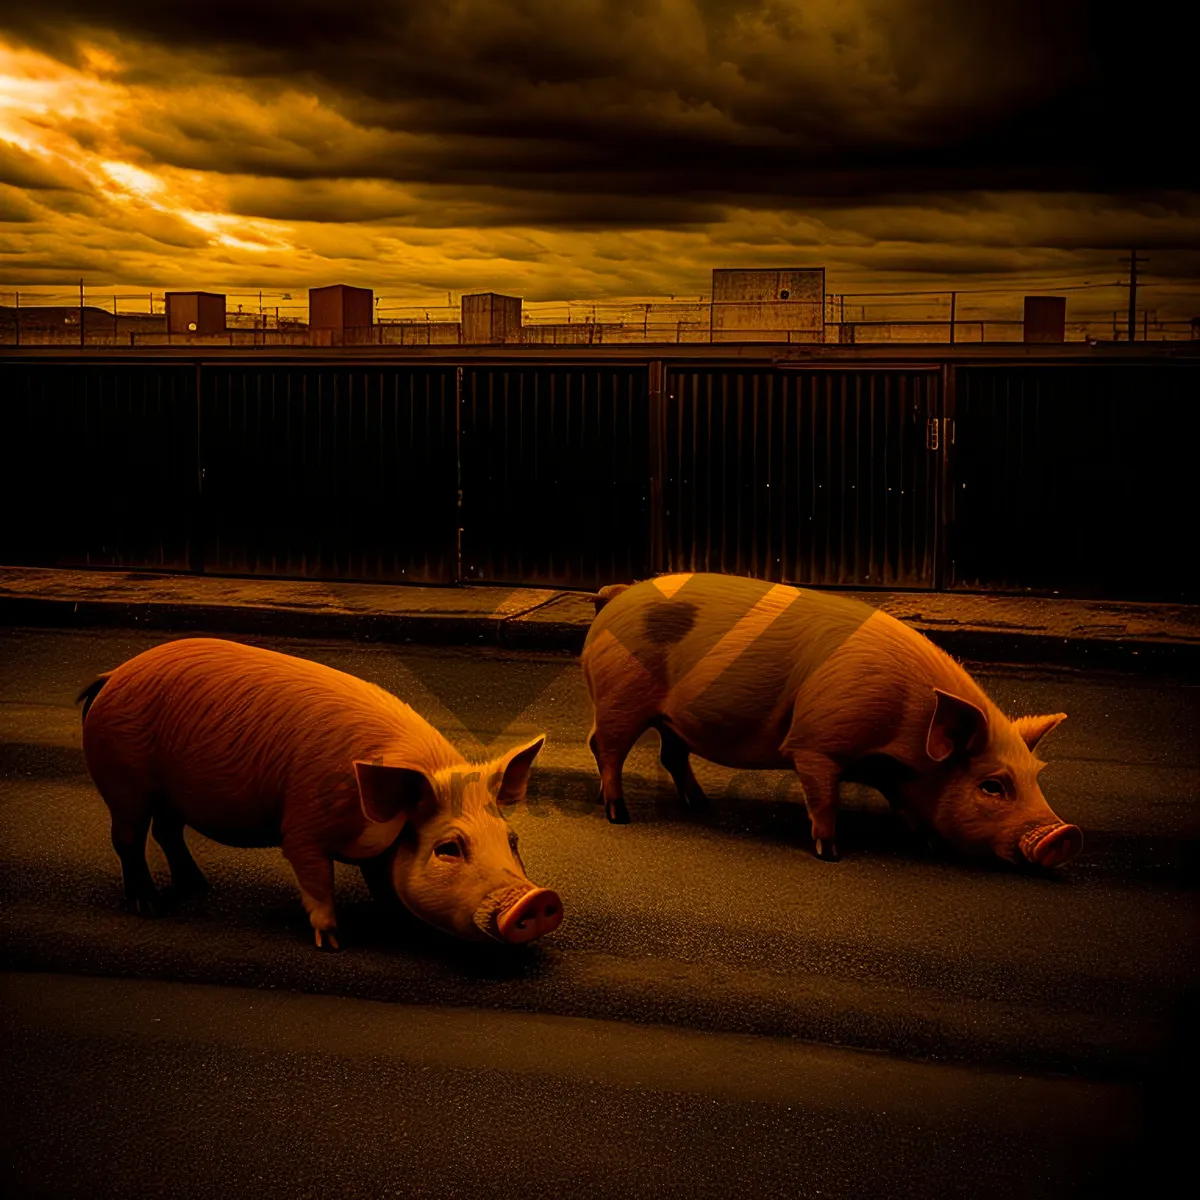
[(983, 628)]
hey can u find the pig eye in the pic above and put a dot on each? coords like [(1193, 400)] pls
[(993, 787), (448, 850)]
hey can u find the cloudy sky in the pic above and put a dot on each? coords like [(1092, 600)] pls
[(561, 149)]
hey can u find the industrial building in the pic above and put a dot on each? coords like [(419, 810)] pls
[(786, 305), (783, 305), (200, 313)]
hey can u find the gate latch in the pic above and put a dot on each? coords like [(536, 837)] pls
[(931, 433)]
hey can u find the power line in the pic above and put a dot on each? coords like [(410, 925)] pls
[(1016, 287)]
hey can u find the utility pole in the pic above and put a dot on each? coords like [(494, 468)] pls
[(81, 337), (1133, 260)]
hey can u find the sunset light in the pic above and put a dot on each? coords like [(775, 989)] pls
[(612, 155), (597, 599)]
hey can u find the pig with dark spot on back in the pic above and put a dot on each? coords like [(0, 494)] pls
[(753, 675), (254, 748)]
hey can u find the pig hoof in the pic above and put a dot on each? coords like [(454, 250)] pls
[(327, 939), (186, 888), (827, 850), (145, 906), (616, 812), (696, 800)]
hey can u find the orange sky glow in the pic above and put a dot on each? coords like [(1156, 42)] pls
[(615, 151)]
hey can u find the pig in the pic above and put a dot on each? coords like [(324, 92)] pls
[(254, 748), (751, 674)]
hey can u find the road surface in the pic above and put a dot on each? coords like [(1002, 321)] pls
[(719, 1012)]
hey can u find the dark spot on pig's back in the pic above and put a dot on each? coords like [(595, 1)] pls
[(669, 621)]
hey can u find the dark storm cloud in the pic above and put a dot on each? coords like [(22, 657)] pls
[(593, 148), (588, 113), (23, 170), (14, 207), (336, 201)]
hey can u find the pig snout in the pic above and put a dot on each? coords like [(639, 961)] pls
[(520, 914), (536, 913), (1052, 845)]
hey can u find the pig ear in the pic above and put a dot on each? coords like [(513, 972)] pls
[(958, 726), (386, 791), (514, 769), (1031, 730)]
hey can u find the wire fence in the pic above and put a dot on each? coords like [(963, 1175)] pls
[(91, 317)]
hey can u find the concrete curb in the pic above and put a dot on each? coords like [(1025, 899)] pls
[(1024, 631), (417, 628)]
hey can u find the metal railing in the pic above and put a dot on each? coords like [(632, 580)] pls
[(138, 320)]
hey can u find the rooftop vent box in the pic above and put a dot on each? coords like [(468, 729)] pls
[(196, 312)]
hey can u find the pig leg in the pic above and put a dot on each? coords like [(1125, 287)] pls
[(377, 875), (610, 753), (819, 775), (908, 821), (130, 825), (186, 878), (314, 874), (886, 776), (675, 757)]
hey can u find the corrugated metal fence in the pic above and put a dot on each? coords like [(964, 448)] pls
[(815, 476), (98, 465), (1077, 478), (330, 472), (1069, 477), (555, 481)]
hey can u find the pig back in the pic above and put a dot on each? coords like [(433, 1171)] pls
[(231, 735), (729, 654), (874, 695)]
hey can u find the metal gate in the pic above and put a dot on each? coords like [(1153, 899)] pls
[(555, 474), (340, 472), (98, 465), (813, 476), (1076, 479), (1065, 477)]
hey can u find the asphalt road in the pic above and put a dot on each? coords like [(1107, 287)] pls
[(718, 1013)]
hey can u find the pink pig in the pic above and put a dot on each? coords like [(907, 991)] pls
[(753, 675), (254, 748)]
